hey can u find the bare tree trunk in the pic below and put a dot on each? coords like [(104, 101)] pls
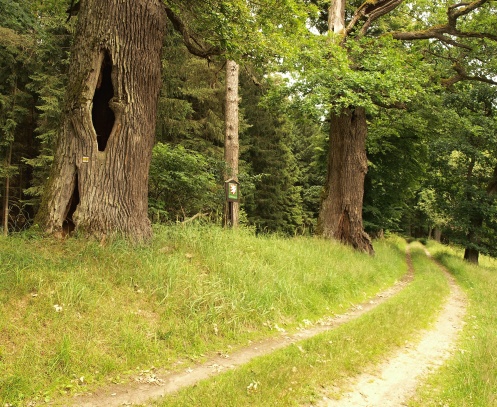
[(231, 144), (471, 253), (336, 16), (7, 193), (340, 216), (99, 179)]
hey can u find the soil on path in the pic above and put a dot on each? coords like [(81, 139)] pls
[(395, 381), (152, 385)]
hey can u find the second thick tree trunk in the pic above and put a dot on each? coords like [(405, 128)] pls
[(99, 180), (340, 216)]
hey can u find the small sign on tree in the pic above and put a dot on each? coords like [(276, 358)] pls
[(232, 188)]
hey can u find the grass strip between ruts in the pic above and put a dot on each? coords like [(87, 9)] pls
[(302, 373)]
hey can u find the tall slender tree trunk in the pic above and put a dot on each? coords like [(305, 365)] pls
[(437, 234), (336, 16), (472, 254), (99, 179), (231, 144), (8, 162), (340, 216)]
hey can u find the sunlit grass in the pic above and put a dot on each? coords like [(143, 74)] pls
[(301, 374), (74, 315)]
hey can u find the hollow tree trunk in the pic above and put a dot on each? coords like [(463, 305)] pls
[(231, 143), (340, 215), (99, 179)]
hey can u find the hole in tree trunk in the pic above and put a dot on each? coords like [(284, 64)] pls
[(68, 225), (102, 115)]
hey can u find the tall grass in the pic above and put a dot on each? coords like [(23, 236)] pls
[(470, 378), (74, 315), (301, 374)]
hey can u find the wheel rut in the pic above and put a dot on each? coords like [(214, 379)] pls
[(150, 385), (395, 381)]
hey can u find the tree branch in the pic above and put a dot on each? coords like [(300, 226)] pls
[(457, 10), (435, 33), (192, 44), (450, 28), (252, 77), (378, 12), (371, 10), (461, 75), (444, 32), (492, 185), (396, 105)]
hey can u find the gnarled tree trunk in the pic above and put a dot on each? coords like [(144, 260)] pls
[(99, 179), (340, 216)]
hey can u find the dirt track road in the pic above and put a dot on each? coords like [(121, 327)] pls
[(396, 380), (390, 385)]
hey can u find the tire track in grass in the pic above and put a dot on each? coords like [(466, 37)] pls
[(396, 380), (153, 385)]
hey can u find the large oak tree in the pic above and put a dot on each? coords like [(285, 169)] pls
[(100, 171), (359, 34), (98, 183)]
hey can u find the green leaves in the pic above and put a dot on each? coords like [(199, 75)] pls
[(365, 73), (256, 30), (463, 162), (182, 183)]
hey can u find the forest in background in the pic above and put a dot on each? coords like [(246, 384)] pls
[(431, 145)]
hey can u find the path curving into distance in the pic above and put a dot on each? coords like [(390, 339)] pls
[(153, 385), (396, 380)]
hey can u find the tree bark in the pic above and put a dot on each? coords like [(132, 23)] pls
[(437, 234), (231, 144), (336, 16), (471, 255), (8, 162), (99, 179), (340, 216)]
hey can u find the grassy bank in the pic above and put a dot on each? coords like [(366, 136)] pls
[(470, 378), (75, 315), (298, 375)]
